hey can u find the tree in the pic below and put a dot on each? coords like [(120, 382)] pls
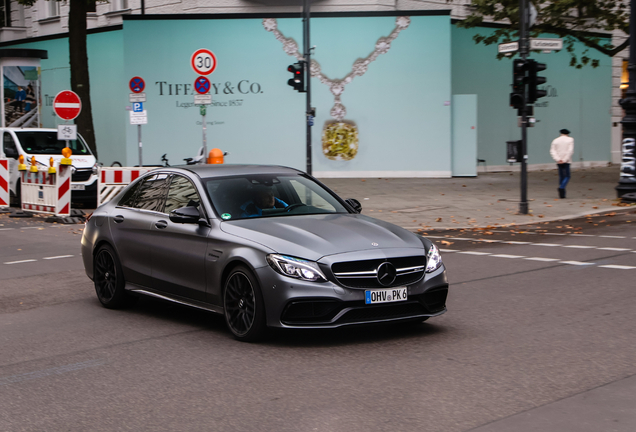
[(571, 20), (78, 59)]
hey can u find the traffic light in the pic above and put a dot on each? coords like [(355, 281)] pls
[(534, 81), (517, 97), (298, 80)]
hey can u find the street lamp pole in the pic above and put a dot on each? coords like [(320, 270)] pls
[(523, 51), (627, 182)]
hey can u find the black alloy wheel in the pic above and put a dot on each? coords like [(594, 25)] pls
[(243, 305), (109, 279)]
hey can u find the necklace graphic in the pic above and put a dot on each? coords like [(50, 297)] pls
[(339, 136)]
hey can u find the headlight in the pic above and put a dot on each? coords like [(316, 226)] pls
[(95, 168), (434, 259), (296, 268)]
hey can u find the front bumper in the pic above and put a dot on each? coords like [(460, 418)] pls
[(292, 303), (88, 195)]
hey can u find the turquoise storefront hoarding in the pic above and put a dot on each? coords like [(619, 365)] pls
[(578, 100), (397, 103), (386, 86)]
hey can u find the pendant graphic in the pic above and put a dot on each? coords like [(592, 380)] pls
[(340, 140)]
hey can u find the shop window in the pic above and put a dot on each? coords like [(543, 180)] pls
[(5, 19)]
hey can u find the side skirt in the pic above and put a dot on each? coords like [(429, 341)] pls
[(174, 299)]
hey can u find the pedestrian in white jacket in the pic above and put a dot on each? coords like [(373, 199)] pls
[(561, 150)]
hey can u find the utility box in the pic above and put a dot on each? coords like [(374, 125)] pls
[(513, 153)]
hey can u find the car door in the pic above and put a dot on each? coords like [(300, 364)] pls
[(179, 250), (130, 225)]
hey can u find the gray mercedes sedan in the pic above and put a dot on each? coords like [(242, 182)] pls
[(266, 246)]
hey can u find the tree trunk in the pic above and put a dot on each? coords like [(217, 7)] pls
[(80, 82)]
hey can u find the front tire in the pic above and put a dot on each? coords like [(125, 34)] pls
[(243, 305), (109, 279)]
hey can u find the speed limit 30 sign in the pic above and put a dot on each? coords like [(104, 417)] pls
[(203, 61)]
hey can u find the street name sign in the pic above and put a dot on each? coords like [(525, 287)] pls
[(67, 105), (509, 47), (546, 44)]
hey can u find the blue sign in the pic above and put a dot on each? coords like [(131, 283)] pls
[(138, 107), (202, 85), (137, 84)]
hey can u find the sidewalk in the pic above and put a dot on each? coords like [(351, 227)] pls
[(491, 199)]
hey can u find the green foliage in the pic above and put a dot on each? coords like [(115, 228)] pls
[(571, 20)]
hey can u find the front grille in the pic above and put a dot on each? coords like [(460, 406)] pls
[(81, 175), (363, 274), (304, 311)]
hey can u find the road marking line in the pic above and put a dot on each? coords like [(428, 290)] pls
[(607, 236), (56, 257), (473, 253), (517, 243), (448, 250), (20, 262), (614, 249), (31, 228), (6, 229), (546, 244), (541, 259), (577, 263), (459, 238), (621, 267), (490, 241), (582, 235), (554, 234), (507, 256), (580, 246)]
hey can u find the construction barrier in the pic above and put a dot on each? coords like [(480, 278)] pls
[(4, 182), (111, 180), (46, 190)]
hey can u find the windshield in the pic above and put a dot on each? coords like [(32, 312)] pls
[(46, 142), (241, 197)]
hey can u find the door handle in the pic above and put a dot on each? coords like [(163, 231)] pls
[(161, 224), (118, 219)]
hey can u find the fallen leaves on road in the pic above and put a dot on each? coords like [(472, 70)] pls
[(438, 220), (446, 243)]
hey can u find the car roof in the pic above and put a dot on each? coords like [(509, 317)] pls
[(224, 170)]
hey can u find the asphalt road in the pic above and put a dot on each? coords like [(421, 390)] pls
[(538, 318)]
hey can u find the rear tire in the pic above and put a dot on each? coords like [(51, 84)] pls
[(16, 199), (243, 305), (108, 277)]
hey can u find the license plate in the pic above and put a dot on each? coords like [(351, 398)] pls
[(77, 186), (385, 295)]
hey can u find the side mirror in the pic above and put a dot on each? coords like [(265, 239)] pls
[(11, 152), (354, 204), (185, 215)]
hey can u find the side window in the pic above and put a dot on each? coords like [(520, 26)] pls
[(8, 146), (309, 197), (152, 193), (181, 193), (128, 200)]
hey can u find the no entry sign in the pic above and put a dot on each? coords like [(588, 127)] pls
[(67, 105), (203, 61)]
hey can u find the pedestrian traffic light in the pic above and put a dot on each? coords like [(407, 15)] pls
[(517, 97), (298, 80), (534, 81)]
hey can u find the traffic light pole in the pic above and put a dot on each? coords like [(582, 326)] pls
[(627, 182), (523, 51), (307, 71)]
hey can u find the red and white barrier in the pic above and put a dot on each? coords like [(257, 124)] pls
[(47, 193), (111, 180), (4, 182)]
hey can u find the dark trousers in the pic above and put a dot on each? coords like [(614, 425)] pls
[(564, 174)]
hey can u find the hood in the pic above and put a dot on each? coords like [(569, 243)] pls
[(315, 236)]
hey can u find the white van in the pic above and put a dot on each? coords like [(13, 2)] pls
[(43, 144)]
